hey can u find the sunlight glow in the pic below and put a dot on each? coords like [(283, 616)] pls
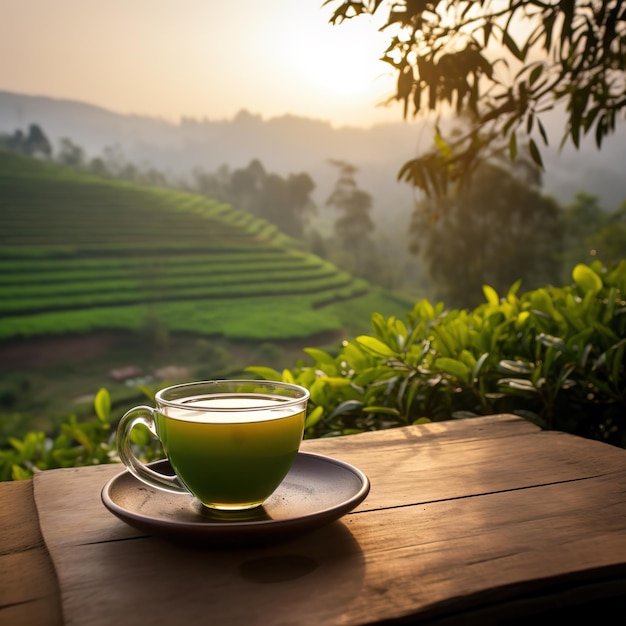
[(202, 58), (335, 69), (341, 64)]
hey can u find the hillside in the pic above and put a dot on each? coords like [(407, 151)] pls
[(81, 254), (292, 144), (106, 284), (284, 145)]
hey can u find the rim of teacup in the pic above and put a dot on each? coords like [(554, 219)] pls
[(303, 392)]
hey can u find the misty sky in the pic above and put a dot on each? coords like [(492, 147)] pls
[(197, 58)]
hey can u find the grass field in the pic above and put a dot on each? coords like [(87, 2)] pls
[(160, 278)]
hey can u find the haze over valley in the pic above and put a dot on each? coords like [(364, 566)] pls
[(294, 144)]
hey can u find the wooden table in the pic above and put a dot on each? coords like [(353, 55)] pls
[(480, 521)]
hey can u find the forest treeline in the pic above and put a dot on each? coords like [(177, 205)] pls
[(499, 230)]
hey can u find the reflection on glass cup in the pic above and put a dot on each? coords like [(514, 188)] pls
[(229, 442)]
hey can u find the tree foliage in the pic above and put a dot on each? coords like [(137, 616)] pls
[(592, 231), (71, 154), (494, 232), (353, 205), (33, 143), (354, 224), (285, 202), (501, 65)]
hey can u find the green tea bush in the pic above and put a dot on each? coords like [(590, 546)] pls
[(79, 443), (554, 355)]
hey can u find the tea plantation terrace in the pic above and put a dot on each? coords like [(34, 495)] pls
[(80, 253)]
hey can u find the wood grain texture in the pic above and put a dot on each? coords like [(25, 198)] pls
[(489, 517), (29, 592)]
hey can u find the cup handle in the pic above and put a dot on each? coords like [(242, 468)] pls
[(142, 415)]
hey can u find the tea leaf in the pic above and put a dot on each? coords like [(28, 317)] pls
[(346, 407), (453, 367), (287, 377), (266, 373), (383, 410), (517, 367), (314, 417), (491, 295), (375, 345), (102, 405), (319, 356), (586, 279)]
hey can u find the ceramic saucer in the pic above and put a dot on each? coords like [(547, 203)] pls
[(316, 491)]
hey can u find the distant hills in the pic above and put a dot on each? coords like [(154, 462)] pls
[(292, 144)]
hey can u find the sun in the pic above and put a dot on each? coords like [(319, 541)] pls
[(339, 62), (340, 67)]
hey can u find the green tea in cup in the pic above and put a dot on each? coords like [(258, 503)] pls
[(230, 442)]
